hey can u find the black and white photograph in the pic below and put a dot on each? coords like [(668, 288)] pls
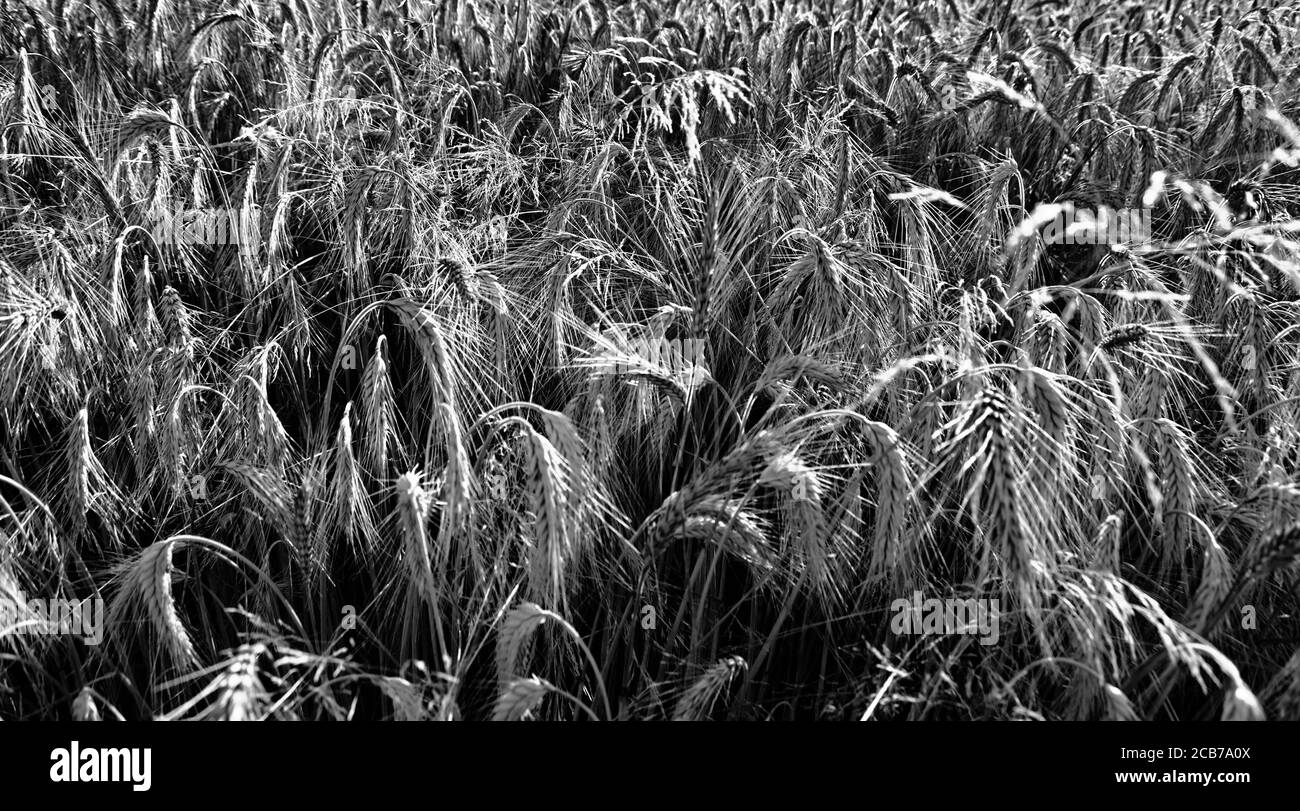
[(666, 360)]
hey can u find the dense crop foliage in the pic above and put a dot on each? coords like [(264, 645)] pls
[(574, 360)]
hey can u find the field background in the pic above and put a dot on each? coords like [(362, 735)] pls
[(423, 443)]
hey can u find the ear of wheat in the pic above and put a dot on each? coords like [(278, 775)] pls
[(1118, 707), (520, 697), (145, 587), (514, 639), (84, 707), (413, 513), (697, 702)]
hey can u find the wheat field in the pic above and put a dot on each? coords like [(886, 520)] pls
[(572, 360)]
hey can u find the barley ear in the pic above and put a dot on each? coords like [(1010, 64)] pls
[(697, 702)]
